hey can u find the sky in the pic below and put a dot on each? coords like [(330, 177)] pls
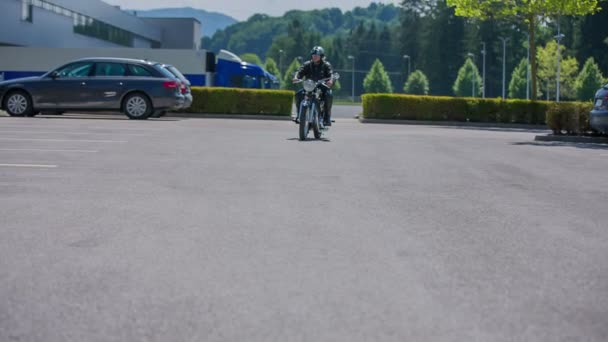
[(241, 9)]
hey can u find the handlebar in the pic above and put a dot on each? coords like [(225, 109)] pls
[(321, 81)]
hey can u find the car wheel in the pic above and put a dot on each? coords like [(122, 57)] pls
[(137, 106), (18, 103)]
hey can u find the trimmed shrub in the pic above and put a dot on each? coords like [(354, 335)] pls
[(288, 76), (569, 117), (588, 81), (563, 117), (377, 80), (417, 84), (518, 83), (468, 82), (241, 101), (271, 67), (583, 116)]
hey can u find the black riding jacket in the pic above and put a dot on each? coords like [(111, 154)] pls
[(315, 72)]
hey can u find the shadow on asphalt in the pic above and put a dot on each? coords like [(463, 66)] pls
[(499, 129), (89, 116), (588, 146), (309, 140), (99, 117)]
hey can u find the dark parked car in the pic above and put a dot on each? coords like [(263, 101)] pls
[(598, 118), (138, 88), (185, 85)]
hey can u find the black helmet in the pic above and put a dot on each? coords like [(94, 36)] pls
[(317, 50)]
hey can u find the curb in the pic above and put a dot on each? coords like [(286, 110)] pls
[(454, 123), (229, 116), (572, 139)]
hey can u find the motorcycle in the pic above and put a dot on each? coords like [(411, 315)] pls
[(312, 108)]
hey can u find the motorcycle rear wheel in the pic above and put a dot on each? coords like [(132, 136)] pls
[(304, 127)]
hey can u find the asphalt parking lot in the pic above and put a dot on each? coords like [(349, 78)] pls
[(182, 229)]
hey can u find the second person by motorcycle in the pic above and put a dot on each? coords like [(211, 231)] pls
[(317, 68)]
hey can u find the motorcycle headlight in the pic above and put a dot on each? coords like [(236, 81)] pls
[(309, 85)]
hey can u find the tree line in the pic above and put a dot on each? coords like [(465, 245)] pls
[(440, 45)]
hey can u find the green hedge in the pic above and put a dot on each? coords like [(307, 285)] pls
[(215, 100), (444, 108), (571, 117)]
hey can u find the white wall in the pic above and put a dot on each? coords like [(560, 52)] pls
[(178, 33), (45, 59)]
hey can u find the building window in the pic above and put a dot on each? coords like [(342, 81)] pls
[(94, 28), (27, 11), (83, 24)]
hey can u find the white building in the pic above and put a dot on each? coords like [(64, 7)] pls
[(90, 23)]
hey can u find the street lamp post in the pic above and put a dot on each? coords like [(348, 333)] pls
[(281, 61), (408, 65), (504, 57), (353, 77), (472, 75), (483, 87), (559, 38), (528, 68)]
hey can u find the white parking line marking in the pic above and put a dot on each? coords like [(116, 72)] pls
[(113, 129), (66, 140), (29, 165), (46, 150), (80, 133)]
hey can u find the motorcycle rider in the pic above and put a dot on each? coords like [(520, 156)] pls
[(315, 69)]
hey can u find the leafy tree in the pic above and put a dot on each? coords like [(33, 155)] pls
[(588, 81), (527, 10), (468, 82), (417, 84), (377, 80), (251, 58), (547, 71), (271, 67), (288, 77), (518, 84), (278, 51)]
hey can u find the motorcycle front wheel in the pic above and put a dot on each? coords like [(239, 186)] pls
[(304, 127), (316, 125)]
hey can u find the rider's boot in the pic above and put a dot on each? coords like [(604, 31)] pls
[(327, 119)]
